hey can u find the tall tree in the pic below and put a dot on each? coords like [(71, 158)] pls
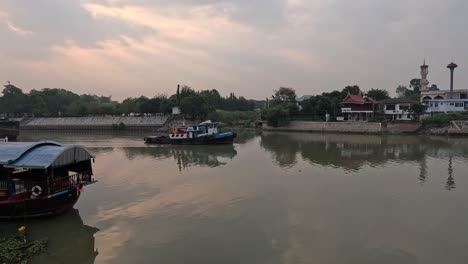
[(378, 94), (351, 89), (14, 101), (178, 96), (416, 85), (401, 91)]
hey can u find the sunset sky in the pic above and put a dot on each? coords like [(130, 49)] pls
[(146, 47)]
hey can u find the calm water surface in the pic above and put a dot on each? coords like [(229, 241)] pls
[(270, 198)]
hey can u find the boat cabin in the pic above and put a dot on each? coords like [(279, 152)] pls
[(42, 170), (201, 130)]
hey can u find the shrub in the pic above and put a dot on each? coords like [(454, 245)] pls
[(276, 115), (441, 120)]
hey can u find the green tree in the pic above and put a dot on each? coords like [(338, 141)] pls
[(401, 91), (320, 105), (14, 102), (378, 94), (195, 107), (276, 115), (417, 110), (285, 97), (351, 89), (178, 96), (416, 85)]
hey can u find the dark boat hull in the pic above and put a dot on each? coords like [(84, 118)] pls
[(157, 140), (31, 208), (208, 140)]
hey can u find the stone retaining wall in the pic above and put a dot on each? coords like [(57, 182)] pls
[(93, 123), (402, 127), (345, 127)]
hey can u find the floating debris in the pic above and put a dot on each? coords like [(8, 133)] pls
[(19, 250)]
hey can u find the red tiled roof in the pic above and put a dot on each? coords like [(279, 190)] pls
[(354, 98), (357, 99)]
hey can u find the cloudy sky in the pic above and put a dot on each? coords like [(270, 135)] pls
[(146, 47)]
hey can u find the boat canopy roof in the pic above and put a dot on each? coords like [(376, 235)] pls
[(209, 123), (41, 155)]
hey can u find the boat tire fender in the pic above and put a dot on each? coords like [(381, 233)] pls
[(36, 191)]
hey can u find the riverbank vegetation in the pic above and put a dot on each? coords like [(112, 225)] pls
[(19, 250), (244, 119), (60, 102), (442, 120)]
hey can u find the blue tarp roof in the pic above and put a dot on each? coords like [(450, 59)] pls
[(40, 155), (12, 151)]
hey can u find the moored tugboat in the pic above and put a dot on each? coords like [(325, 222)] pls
[(41, 178), (205, 133)]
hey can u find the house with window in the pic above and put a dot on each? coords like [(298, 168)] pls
[(357, 108), (397, 109)]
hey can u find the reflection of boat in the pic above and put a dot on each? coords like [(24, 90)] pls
[(8, 129), (186, 156), (205, 133), (41, 178), (69, 240)]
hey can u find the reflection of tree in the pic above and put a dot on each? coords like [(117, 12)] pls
[(186, 156), (351, 152), (450, 185), (69, 240), (284, 149), (423, 171), (244, 135)]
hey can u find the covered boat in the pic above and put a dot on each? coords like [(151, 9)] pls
[(205, 133), (42, 178)]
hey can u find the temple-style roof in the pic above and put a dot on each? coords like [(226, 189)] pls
[(356, 99), (41, 155)]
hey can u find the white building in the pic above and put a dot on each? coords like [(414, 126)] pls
[(447, 105), (397, 109), (442, 101), (176, 110)]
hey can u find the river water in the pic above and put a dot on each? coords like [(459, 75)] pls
[(270, 198)]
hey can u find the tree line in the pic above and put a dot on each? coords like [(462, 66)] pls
[(53, 102)]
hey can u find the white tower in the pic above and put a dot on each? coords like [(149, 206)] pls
[(424, 72)]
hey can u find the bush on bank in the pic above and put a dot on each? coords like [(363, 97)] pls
[(235, 118), (441, 120)]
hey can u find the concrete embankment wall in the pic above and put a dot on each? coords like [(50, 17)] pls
[(345, 127), (403, 127), (93, 123)]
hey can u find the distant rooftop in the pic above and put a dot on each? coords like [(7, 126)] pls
[(303, 98)]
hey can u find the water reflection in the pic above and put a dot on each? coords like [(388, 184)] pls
[(450, 180), (69, 239), (352, 152), (186, 156)]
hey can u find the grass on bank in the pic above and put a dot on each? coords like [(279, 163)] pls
[(441, 120)]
